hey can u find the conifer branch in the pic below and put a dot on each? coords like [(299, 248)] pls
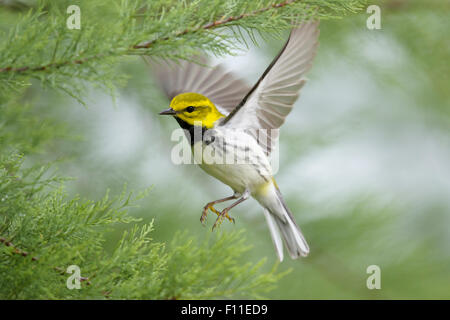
[(16, 250), (148, 44), (56, 65), (218, 23)]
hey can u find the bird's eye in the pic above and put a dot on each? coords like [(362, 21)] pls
[(190, 109)]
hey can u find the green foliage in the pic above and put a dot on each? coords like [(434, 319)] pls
[(399, 73), (44, 229), (65, 59)]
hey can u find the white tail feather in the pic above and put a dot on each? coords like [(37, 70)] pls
[(275, 233), (282, 225)]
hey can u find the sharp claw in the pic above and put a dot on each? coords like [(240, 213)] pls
[(220, 216), (228, 217), (204, 215), (209, 206)]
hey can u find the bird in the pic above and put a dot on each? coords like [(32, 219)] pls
[(226, 119)]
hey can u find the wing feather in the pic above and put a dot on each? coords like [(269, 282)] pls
[(269, 102)]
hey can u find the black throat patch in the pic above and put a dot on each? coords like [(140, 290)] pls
[(193, 133)]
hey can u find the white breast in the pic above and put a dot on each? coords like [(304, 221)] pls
[(233, 157)]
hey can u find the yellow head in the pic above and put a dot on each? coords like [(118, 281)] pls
[(193, 108)]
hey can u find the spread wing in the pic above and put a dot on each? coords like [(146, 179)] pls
[(223, 88), (271, 99)]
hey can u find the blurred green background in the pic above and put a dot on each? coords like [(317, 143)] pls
[(365, 157)]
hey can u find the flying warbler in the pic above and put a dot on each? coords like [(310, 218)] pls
[(236, 126)]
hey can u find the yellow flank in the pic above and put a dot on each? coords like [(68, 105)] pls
[(194, 108), (263, 189)]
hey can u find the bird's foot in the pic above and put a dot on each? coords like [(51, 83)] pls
[(228, 217), (220, 216), (209, 206)]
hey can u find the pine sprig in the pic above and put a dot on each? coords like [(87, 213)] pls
[(56, 232), (67, 59)]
